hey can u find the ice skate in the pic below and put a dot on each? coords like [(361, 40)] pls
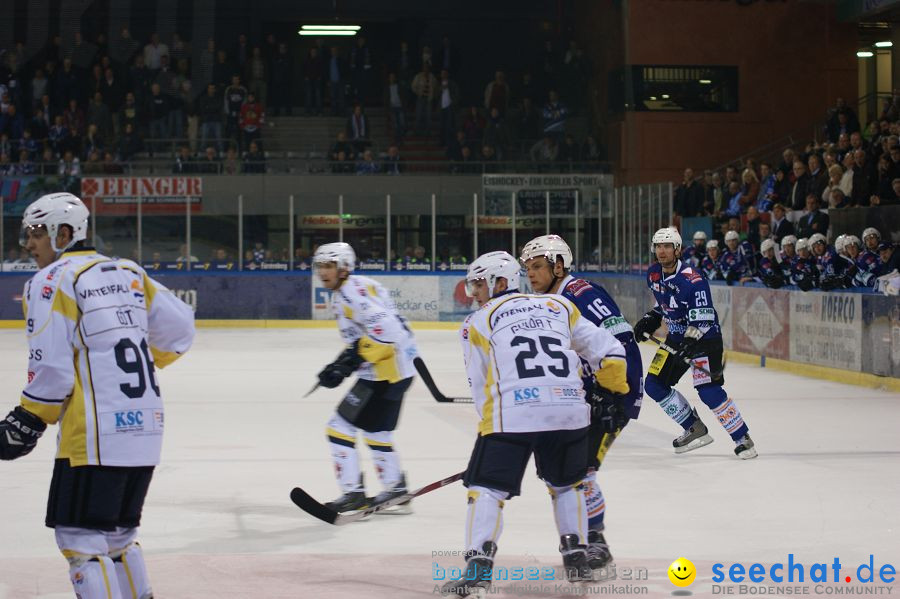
[(693, 438), (575, 559), (351, 501), (598, 555), (476, 578), (746, 448), (397, 490)]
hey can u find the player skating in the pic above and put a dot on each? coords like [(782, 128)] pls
[(97, 328), (522, 359), (684, 301)]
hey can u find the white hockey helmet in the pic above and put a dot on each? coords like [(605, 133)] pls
[(339, 252), (666, 235), (490, 267), (51, 211), (871, 231), (789, 240), (817, 238), (699, 236), (852, 240), (802, 244), (732, 236), (839, 243), (550, 247), (766, 245), (712, 244)]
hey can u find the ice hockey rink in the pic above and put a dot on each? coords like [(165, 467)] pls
[(218, 521)]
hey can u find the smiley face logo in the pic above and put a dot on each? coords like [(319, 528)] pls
[(682, 572)]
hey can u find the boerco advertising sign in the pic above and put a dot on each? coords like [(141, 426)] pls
[(157, 195)]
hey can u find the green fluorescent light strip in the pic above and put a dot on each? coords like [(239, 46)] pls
[(330, 28)]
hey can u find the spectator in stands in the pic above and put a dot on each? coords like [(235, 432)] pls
[(753, 224), (358, 129), (255, 75), (252, 117), (781, 226), (29, 144), (766, 196), (342, 145), (591, 151), (474, 127), (40, 123), (367, 166), (544, 150), (82, 52), (235, 96), (7, 168), (555, 114), (123, 48), (340, 163), (813, 220), (392, 164), (488, 156), (454, 148), (765, 232), (424, 86), (130, 143), (835, 177), (67, 85), (496, 94), (69, 165), (466, 163), (497, 136), (801, 186), (313, 70), (733, 208), (141, 80), (222, 70), (6, 145), (361, 70), (837, 199), (888, 258), (25, 166), (889, 197), (209, 111), (865, 178), (232, 164), (184, 162), (688, 199), (448, 102), (92, 164), (93, 140), (569, 152), (749, 188), (787, 164), (206, 63), (447, 56), (154, 51), (398, 111), (241, 51), (113, 92), (282, 75), (817, 175), (527, 123), (336, 75), (184, 255), (99, 115), (254, 160), (73, 117), (210, 164), (158, 107)]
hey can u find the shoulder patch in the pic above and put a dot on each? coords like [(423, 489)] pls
[(655, 275), (691, 275), (577, 287)]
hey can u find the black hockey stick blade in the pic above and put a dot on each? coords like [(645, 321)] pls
[(671, 350), (305, 502), (308, 393), (432, 387)]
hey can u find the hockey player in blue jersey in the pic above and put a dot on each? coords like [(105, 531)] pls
[(767, 267), (694, 254), (684, 301), (547, 260), (733, 262), (804, 272), (858, 268), (828, 261), (709, 265)]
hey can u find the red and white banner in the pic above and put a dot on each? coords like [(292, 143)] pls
[(157, 195), (761, 321)]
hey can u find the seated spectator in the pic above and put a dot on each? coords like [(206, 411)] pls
[(30, 145), (749, 188), (392, 165), (487, 157), (835, 177), (342, 145), (231, 164), (455, 146), (358, 130), (58, 135), (733, 208), (69, 165), (130, 143), (367, 166), (569, 150), (555, 114), (73, 117), (591, 150), (545, 150), (184, 162), (466, 163), (7, 168), (813, 221), (474, 127), (93, 140), (25, 166), (891, 198), (48, 162), (92, 164), (184, 256), (781, 226), (110, 166), (495, 134), (254, 160), (341, 164), (210, 163), (837, 199)]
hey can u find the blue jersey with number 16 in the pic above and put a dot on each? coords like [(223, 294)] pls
[(684, 299)]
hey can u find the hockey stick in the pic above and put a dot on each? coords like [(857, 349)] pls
[(308, 393), (429, 382), (688, 361), (312, 507)]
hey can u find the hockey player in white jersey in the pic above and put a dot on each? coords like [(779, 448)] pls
[(97, 330), (381, 349), (523, 358)]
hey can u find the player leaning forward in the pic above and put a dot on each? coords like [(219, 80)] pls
[(97, 328), (684, 301), (381, 351), (522, 359)]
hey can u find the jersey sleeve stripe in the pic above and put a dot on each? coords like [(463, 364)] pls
[(41, 399)]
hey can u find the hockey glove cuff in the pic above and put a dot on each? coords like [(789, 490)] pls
[(19, 433)]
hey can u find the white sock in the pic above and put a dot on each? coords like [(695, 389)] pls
[(570, 511), (342, 442), (387, 462), (128, 558), (484, 519)]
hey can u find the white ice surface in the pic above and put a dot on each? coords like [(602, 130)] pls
[(218, 521)]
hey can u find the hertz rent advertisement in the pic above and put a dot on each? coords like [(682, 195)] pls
[(826, 329), (760, 322), (416, 297)]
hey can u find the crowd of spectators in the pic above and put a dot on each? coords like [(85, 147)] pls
[(772, 223)]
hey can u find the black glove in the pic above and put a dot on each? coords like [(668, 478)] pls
[(731, 277), (608, 410), (346, 364), (688, 347), (805, 284), (19, 433), (647, 325), (829, 283), (773, 281)]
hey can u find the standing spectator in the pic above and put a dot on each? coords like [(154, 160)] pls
[(154, 51), (113, 93), (123, 49), (29, 144), (185, 121), (131, 113), (242, 51), (93, 140), (733, 208), (222, 70), (360, 70), (865, 179), (25, 166), (812, 221), (141, 80), (555, 114), (835, 177), (336, 81), (67, 85), (99, 115), (254, 160), (424, 86), (766, 196), (235, 96), (545, 150), (179, 50), (688, 200), (130, 143), (569, 152), (392, 163), (801, 186), (206, 62), (38, 87), (281, 75), (358, 129), (256, 75), (749, 188), (341, 145), (781, 226), (496, 94), (753, 227), (474, 127), (40, 123), (818, 177), (398, 111), (496, 136), (74, 117), (209, 114), (527, 124), (166, 77), (158, 107), (448, 101), (448, 57), (12, 123), (312, 82), (83, 53), (210, 163), (252, 117), (58, 134)]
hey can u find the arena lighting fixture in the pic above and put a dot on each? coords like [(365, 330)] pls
[(884, 44), (325, 32), (665, 96), (864, 54), (345, 30), (706, 81)]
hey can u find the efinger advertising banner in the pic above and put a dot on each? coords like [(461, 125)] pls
[(157, 195)]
